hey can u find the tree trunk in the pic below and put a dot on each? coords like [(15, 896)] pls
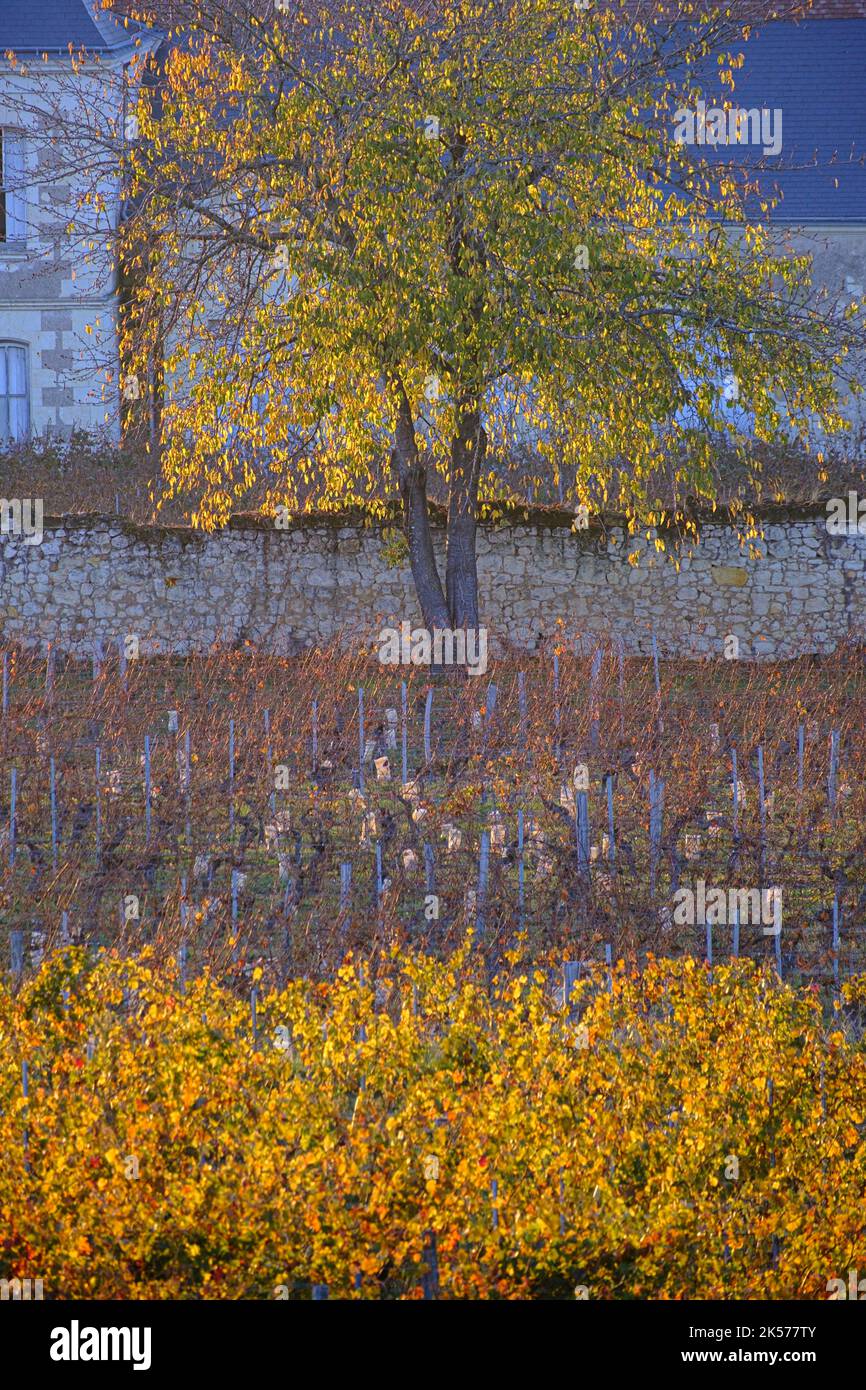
[(468, 450), (412, 478)]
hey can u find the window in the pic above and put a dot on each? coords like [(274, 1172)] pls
[(13, 221), (14, 396)]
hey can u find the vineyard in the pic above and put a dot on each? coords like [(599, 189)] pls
[(243, 812), (322, 982), (670, 1133), (347, 961)]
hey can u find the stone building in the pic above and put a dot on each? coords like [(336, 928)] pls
[(806, 80), (61, 60)]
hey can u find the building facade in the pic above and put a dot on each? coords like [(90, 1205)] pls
[(67, 68)]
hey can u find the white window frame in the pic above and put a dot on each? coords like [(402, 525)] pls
[(7, 346), (13, 168)]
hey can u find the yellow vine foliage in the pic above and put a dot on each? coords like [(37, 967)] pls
[(672, 1133)]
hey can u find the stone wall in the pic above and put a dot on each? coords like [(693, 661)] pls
[(326, 578)]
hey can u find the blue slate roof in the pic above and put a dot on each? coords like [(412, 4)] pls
[(815, 73), (37, 26)]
